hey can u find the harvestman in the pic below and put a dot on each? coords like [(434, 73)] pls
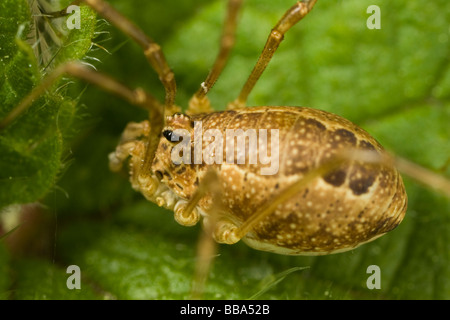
[(336, 188)]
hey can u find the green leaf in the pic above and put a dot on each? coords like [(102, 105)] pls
[(394, 82), (40, 280), (32, 146)]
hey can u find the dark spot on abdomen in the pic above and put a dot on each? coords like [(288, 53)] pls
[(366, 145), (361, 185), (346, 136), (336, 178), (315, 123), (341, 138), (305, 193)]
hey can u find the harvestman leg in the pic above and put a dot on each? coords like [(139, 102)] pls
[(290, 18), (199, 102), (151, 49), (206, 248), (137, 97)]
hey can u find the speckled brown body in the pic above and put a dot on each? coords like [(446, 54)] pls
[(352, 205)]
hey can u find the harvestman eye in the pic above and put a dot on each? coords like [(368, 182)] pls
[(172, 136), (168, 135)]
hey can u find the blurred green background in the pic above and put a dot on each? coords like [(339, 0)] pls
[(394, 82)]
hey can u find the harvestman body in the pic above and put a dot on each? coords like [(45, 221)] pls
[(351, 205)]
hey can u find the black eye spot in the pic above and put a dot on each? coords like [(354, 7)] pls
[(172, 136), (159, 175), (168, 135)]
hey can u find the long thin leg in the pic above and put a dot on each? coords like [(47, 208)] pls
[(151, 49), (411, 169), (199, 102), (206, 245), (137, 97), (290, 18)]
